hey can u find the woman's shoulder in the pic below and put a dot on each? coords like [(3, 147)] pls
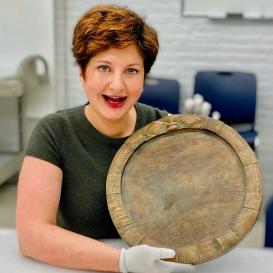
[(150, 111), (147, 114), (61, 117), (48, 136)]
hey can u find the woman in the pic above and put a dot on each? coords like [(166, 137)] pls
[(69, 152)]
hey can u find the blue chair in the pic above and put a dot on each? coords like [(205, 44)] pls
[(269, 224), (233, 95), (161, 93)]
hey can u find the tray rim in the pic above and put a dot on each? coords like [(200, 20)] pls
[(209, 249)]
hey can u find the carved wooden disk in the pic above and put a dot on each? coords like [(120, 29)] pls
[(185, 182)]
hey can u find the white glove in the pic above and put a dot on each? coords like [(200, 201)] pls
[(146, 259), (197, 105)]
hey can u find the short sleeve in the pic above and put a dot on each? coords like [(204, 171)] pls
[(44, 142)]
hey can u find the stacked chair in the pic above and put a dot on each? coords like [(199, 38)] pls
[(162, 93), (233, 95)]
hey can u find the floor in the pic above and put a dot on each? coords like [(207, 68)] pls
[(8, 192)]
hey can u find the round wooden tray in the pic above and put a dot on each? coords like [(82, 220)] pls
[(185, 182)]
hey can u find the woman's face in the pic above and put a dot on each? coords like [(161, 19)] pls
[(113, 81)]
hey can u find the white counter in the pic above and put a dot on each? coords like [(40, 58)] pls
[(239, 260)]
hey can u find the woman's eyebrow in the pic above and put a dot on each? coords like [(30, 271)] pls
[(103, 61), (108, 62), (133, 64)]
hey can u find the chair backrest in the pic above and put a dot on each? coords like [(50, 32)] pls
[(269, 224), (161, 93), (233, 94)]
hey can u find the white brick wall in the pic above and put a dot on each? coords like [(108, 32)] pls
[(26, 28), (189, 44)]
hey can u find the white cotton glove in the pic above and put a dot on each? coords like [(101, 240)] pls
[(197, 105), (146, 259), (198, 101)]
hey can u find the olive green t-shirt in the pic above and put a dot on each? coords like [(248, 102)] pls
[(68, 140)]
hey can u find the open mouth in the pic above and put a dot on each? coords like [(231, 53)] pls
[(114, 101)]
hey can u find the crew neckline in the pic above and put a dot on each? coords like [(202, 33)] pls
[(104, 137)]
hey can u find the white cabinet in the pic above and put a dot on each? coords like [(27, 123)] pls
[(10, 116)]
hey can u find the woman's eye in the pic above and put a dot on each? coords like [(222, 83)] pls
[(104, 68), (132, 71)]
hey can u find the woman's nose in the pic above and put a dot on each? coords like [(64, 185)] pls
[(117, 82)]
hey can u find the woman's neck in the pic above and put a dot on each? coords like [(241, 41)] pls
[(112, 128)]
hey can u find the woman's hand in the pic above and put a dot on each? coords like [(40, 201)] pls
[(147, 259)]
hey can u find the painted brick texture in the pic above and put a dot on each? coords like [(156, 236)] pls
[(190, 44)]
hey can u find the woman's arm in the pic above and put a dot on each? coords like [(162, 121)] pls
[(39, 191)]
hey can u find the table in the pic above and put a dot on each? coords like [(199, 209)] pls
[(239, 260)]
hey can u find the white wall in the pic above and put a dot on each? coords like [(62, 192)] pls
[(26, 28), (189, 44)]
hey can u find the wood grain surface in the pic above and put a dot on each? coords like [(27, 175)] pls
[(185, 182)]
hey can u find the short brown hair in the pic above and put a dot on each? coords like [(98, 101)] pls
[(103, 27)]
